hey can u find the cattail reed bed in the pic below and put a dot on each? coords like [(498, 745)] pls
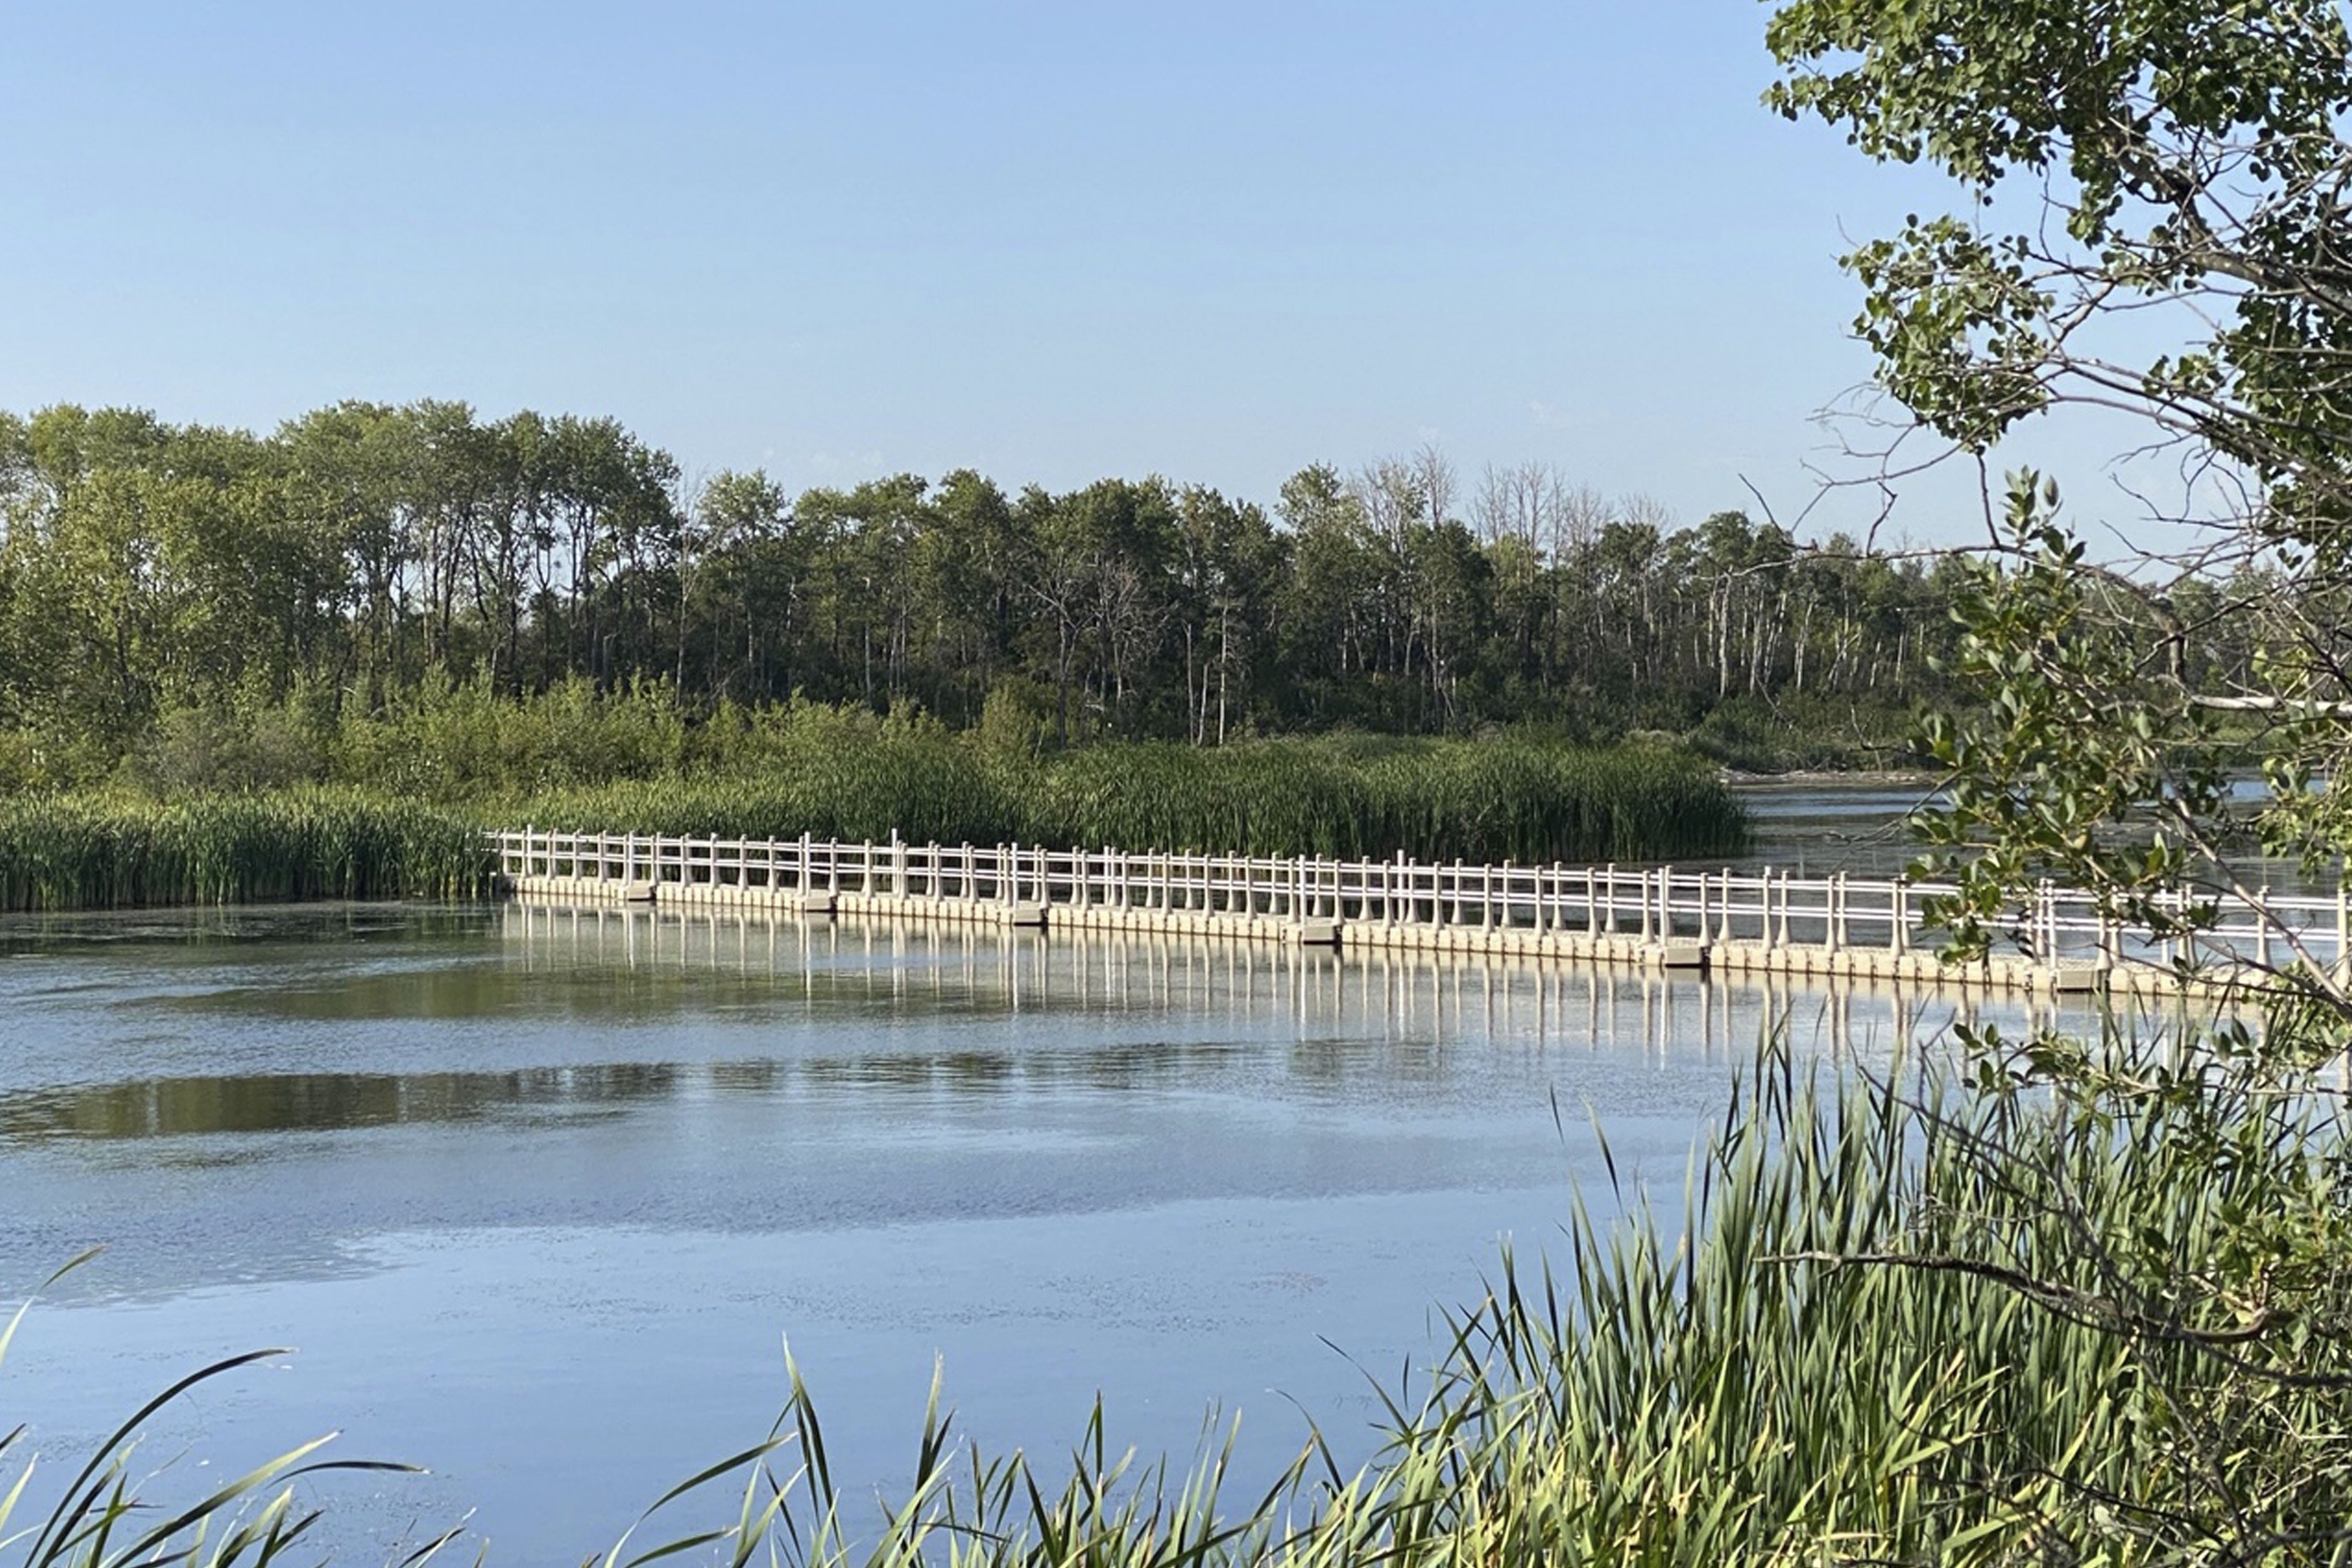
[(1475, 801), (100, 852), (1478, 800)]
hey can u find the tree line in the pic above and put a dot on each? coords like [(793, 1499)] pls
[(148, 567)]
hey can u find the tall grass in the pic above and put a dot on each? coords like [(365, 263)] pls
[(1989, 1325), (1500, 800), (924, 793), (107, 852), (833, 776), (1883, 1330)]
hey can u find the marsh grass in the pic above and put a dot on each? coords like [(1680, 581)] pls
[(1903, 1321), (1476, 800), (118, 851), (102, 1520), (851, 777), (1888, 1326), (1893, 1322)]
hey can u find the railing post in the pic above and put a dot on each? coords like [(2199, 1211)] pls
[(2343, 919)]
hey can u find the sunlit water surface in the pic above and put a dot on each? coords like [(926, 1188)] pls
[(540, 1195)]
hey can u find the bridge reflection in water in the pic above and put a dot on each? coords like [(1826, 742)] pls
[(1365, 994)]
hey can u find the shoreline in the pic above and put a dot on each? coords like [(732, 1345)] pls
[(1886, 778)]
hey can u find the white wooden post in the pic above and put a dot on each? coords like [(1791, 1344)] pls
[(2343, 919)]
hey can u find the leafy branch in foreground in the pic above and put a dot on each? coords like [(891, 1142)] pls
[(2156, 227)]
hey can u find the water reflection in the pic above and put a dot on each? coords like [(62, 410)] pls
[(503, 1170), (319, 1102), (232, 926), (1819, 829), (1086, 1006), (1370, 993)]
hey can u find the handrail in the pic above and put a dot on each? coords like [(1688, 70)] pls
[(1761, 907)]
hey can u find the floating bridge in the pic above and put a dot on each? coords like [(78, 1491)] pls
[(1757, 921)]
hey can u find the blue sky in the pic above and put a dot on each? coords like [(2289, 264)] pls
[(1053, 241)]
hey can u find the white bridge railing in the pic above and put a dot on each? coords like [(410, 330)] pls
[(1660, 904)]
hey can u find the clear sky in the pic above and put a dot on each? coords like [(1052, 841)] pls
[(1050, 240)]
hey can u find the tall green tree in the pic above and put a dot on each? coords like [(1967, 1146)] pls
[(2152, 219), (2183, 169)]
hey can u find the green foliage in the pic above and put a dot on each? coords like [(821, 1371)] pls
[(2182, 169), (106, 852), (2180, 155), (453, 740), (2087, 765), (925, 793), (1809, 734), (198, 751), (162, 587), (1994, 1323)]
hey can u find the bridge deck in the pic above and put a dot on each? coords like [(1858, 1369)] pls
[(1753, 922)]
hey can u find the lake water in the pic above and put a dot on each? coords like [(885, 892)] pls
[(540, 1195)]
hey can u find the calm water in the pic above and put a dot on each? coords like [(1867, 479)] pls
[(541, 1193), (1818, 830)]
